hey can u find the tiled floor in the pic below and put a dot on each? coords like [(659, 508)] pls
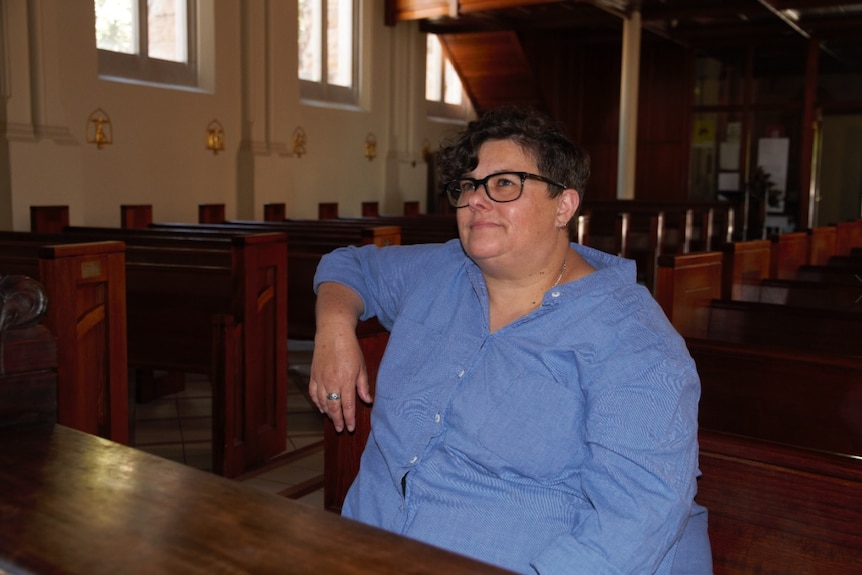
[(179, 427)]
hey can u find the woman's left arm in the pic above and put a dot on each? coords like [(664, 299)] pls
[(640, 475)]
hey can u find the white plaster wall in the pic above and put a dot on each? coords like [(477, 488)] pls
[(50, 86)]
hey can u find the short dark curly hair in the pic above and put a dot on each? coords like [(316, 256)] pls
[(557, 157)]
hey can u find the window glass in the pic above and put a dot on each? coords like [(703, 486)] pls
[(328, 62), (444, 93), (166, 26), (116, 29), (310, 40), (339, 37), (453, 85), (433, 72), (147, 40)]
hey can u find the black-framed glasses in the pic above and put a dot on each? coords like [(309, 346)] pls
[(501, 187)]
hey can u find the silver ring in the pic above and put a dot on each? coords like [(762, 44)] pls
[(333, 396)]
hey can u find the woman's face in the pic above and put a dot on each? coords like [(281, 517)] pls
[(511, 233)]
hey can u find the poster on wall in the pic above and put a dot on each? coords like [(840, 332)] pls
[(772, 156)]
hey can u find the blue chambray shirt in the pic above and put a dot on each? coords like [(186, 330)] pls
[(565, 442)]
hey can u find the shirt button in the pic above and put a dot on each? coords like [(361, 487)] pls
[(437, 418), (461, 373), (414, 460), (555, 294)]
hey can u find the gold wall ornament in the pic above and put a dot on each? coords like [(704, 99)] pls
[(99, 129), (299, 142), (215, 137), (370, 146)]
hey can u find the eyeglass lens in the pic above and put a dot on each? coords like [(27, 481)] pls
[(503, 187)]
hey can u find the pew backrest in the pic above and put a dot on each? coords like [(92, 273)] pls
[(776, 509)]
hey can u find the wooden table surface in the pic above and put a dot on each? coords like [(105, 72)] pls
[(71, 502)]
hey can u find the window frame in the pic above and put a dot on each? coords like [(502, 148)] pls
[(322, 92), (141, 68)]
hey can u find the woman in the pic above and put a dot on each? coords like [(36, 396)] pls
[(534, 408)]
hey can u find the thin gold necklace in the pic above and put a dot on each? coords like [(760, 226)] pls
[(562, 270)]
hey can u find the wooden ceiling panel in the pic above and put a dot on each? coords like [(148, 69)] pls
[(482, 35)]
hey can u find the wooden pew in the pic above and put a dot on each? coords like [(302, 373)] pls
[(214, 304), (308, 241), (791, 396), (28, 355), (789, 251), (75, 503), (786, 326), (822, 244), (744, 265), (811, 294), (832, 274), (776, 509), (421, 229), (86, 288), (686, 285)]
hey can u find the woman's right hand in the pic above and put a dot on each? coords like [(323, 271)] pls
[(338, 374)]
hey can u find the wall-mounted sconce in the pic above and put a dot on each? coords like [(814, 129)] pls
[(299, 142), (370, 146), (426, 150), (215, 137), (99, 129)]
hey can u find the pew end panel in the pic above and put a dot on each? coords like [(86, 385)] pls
[(789, 251), (274, 212), (136, 216), (48, 219), (822, 244), (746, 263), (411, 208), (370, 209), (211, 213), (262, 258), (685, 286), (87, 313), (327, 210)]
